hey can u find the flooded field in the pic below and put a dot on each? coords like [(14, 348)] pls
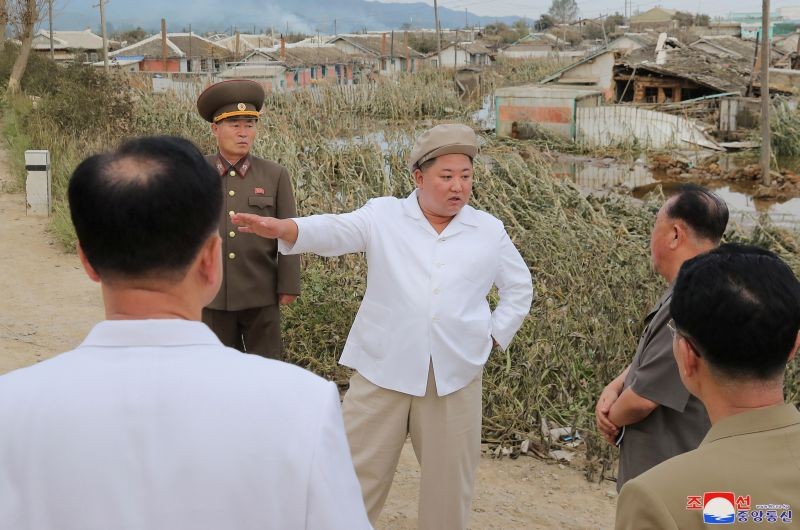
[(639, 179)]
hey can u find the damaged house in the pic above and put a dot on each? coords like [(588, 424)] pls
[(666, 71), (674, 72), (662, 94)]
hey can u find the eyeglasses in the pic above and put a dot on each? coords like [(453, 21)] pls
[(675, 332), (672, 328)]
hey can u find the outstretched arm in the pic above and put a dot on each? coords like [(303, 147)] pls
[(326, 234), (269, 227)]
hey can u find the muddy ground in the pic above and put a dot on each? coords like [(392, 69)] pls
[(47, 305)]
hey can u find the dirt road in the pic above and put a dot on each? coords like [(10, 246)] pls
[(47, 305)]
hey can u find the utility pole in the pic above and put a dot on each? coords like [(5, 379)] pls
[(603, 26), (103, 30), (408, 52), (455, 52), (766, 179), (466, 19), (438, 34), (164, 43), (335, 33), (50, 16)]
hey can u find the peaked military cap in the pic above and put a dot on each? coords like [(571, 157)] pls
[(229, 99)]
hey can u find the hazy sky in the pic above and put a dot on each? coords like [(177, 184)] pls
[(593, 8)]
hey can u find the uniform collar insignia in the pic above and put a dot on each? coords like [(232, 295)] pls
[(241, 166)]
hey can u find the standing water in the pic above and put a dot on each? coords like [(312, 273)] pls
[(638, 179)]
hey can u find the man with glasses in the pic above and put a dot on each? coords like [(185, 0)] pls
[(736, 314), (245, 313), (646, 410)]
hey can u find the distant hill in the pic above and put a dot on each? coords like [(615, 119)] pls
[(307, 16)]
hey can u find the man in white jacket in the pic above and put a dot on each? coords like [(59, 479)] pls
[(424, 329), (151, 423)]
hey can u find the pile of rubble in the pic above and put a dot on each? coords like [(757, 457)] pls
[(785, 184)]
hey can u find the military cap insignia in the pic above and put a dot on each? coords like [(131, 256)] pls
[(241, 106)]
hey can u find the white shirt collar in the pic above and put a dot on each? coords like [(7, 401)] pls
[(465, 216), (154, 332)]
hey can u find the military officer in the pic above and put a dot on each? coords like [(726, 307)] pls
[(256, 280)]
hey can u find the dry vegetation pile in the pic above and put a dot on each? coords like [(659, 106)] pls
[(589, 255)]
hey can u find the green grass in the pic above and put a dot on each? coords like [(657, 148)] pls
[(15, 140)]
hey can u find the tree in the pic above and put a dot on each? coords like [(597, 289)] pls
[(572, 36), (23, 14), (593, 31), (423, 42), (684, 19), (495, 29), (702, 20), (613, 22), (3, 21), (130, 36), (521, 27), (564, 11), (545, 21)]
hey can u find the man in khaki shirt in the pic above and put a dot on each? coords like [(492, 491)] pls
[(646, 410), (245, 313), (736, 316)]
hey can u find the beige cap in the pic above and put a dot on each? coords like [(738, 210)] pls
[(236, 98), (445, 139)]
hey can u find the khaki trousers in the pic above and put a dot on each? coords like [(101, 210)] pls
[(446, 436)]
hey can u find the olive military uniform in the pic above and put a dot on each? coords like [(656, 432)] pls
[(245, 313), (679, 422), (246, 306)]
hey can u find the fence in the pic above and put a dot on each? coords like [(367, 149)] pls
[(624, 125)]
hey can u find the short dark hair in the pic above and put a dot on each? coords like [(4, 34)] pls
[(741, 306), (703, 211), (144, 210)]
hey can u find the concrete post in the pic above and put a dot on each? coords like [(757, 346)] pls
[(38, 182)]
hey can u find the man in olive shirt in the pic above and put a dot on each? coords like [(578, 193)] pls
[(736, 316), (245, 313), (646, 410)]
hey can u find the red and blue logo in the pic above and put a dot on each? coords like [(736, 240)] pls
[(719, 507)]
